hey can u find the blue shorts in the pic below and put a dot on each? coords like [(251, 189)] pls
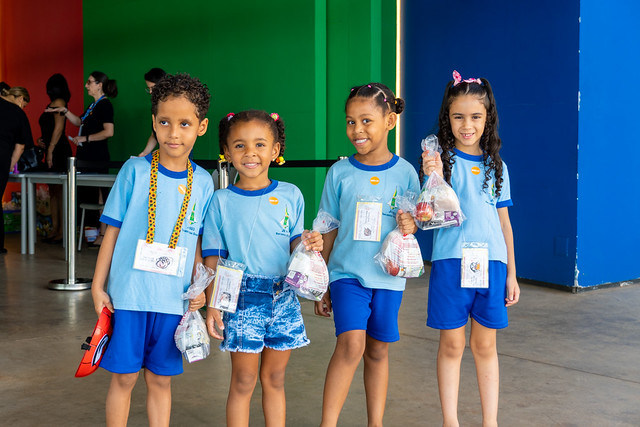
[(143, 339), (268, 315), (450, 305), (372, 310)]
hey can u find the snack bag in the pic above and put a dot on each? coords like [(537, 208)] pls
[(307, 272), (400, 254), (437, 205), (227, 285), (191, 335)]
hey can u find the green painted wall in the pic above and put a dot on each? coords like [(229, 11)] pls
[(298, 58)]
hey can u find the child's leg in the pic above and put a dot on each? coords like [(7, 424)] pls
[(119, 398), (485, 354), (158, 398), (452, 342), (346, 357), (272, 373), (376, 379), (244, 374)]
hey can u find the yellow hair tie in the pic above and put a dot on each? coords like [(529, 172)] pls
[(222, 159), (280, 160)]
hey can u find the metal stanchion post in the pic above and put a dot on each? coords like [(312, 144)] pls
[(71, 283), (223, 174)]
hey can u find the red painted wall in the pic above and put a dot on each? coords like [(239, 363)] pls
[(37, 39)]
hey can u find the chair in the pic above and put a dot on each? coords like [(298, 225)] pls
[(84, 207)]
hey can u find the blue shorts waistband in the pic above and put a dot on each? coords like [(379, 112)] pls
[(263, 284)]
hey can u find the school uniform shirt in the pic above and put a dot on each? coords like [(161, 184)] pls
[(348, 182), (255, 228), (127, 208), (480, 207)]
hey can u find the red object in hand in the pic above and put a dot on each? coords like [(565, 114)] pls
[(424, 211), (96, 344), (392, 268)]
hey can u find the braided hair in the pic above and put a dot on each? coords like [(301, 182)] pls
[(381, 94)]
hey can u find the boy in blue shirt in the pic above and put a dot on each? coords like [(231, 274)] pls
[(147, 255)]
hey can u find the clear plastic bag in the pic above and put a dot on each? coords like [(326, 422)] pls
[(400, 254), (307, 272), (227, 284), (191, 335), (437, 205)]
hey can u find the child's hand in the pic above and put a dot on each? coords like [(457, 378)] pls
[(513, 291), (323, 308), (214, 319), (197, 302), (405, 221), (312, 240), (101, 299), (431, 162)]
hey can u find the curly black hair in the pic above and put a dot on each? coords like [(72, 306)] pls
[(276, 125), (490, 141), (381, 94), (182, 84)]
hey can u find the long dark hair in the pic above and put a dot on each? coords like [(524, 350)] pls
[(57, 88), (490, 141)]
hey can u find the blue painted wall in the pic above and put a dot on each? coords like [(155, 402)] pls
[(608, 202), (529, 53)]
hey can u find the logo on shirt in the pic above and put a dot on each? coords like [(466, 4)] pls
[(285, 221), (182, 189), (374, 180), (393, 203), (273, 200), (192, 215), (475, 170)]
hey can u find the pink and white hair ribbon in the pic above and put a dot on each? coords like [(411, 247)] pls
[(457, 79)]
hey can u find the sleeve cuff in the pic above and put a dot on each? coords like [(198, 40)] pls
[(294, 237), (110, 221), (504, 204), (215, 252)]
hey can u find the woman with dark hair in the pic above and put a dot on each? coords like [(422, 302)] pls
[(15, 134), (96, 127), (151, 77), (52, 128)]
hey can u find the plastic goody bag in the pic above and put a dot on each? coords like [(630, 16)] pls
[(437, 205), (191, 335), (226, 287), (307, 272), (400, 254)]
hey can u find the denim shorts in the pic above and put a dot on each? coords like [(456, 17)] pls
[(268, 315)]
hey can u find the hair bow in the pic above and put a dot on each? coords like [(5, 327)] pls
[(275, 116), (457, 79), (230, 116)]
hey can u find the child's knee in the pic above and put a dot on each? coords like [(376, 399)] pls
[(376, 351), (452, 347), (157, 381), (483, 347), (350, 347), (244, 381), (273, 378), (125, 381)]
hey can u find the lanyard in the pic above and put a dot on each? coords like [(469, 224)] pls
[(153, 191), (90, 109)]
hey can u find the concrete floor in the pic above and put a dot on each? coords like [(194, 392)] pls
[(565, 360)]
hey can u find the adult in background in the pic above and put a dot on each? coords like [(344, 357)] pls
[(15, 134), (151, 77), (96, 127), (52, 128)]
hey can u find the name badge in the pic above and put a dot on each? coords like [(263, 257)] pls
[(226, 286), (368, 222), (160, 258), (475, 265)]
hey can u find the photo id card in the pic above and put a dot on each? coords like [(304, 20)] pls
[(368, 221), (160, 258), (475, 265), (226, 288)]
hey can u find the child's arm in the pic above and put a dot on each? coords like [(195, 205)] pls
[(513, 289), (103, 265), (323, 307), (406, 224), (200, 300), (213, 316)]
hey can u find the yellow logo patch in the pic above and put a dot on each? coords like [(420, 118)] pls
[(374, 180), (273, 200)]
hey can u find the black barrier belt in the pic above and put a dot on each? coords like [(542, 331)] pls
[(213, 164)]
